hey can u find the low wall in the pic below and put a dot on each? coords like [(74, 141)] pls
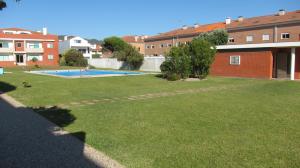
[(149, 64)]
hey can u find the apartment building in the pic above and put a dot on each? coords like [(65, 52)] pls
[(137, 42), (18, 47), (159, 45), (261, 47), (75, 42)]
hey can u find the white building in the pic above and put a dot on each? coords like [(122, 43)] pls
[(75, 42)]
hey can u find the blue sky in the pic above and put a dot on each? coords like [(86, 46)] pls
[(102, 18)]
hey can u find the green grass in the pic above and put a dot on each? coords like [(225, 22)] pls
[(237, 123)]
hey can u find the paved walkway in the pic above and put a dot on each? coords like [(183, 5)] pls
[(27, 140)]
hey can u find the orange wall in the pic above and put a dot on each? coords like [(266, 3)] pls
[(253, 64)]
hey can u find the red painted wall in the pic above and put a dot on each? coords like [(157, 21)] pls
[(297, 68), (21, 48), (253, 64), (47, 51)]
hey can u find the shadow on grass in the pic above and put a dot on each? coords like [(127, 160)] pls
[(59, 116), (32, 141), (6, 87)]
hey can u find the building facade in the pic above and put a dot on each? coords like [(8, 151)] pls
[(160, 44), (261, 47), (19, 47), (137, 42), (74, 42)]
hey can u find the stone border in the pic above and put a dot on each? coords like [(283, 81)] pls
[(99, 158)]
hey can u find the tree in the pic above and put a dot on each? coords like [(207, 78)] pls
[(216, 37), (131, 56), (74, 58), (3, 4), (202, 55), (114, 44)]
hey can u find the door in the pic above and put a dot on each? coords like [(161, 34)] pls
[(283, 65), (20, 59)]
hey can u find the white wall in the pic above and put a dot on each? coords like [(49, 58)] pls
[(149, 64)]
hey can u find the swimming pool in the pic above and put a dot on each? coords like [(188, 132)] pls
[(77, 73)]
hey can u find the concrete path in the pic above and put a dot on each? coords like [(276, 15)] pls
[(27, 140)]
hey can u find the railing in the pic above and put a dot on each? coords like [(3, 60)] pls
[(34, 50), (6, 50)]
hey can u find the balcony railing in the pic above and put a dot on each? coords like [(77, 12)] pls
[(34, 50), (6, 50)]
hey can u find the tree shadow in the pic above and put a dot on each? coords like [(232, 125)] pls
[(30, 140), (6, 87), (59, 116)]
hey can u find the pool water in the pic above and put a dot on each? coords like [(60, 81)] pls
[(85, 73)]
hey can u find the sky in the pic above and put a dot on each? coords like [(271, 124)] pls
[(103, 18)]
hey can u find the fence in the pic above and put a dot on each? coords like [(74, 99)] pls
[(149, 64)]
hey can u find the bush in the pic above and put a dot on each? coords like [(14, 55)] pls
[(96, 56), (177, 64), (74, 58), (131, 56), (202, 56), (62, 61)]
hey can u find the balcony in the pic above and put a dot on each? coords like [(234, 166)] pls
[(6, 50), (34, 50)]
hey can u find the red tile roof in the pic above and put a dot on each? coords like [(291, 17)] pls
[(18, 29), (265, 20), (133, 39), (189, 31)]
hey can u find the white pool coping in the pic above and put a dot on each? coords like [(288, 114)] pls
[(83, 76)]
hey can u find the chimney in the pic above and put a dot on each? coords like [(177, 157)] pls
[(66, 38), (136, 38), (240, 18), (281, 12), (196, 25), (184, 27), (45, 32), (228, 20)]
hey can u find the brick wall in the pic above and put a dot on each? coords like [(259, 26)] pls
[(253, 64)]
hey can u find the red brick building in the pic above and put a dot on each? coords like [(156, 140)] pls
[(18, 47), (160, 44), (261, 47)]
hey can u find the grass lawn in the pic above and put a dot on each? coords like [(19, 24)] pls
[(145, 121)]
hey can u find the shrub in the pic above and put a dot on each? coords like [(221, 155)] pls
[(96, 56), (62, 61), (74, 58), (131, 56), (177, 64), (202, 56)]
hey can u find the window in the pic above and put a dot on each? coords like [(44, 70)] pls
[(19, 44), (50, 45), (50, 57), (231, 40), (3, 45), (169, 45), (249, 38), (266, 37), (77, 41), (83, 51), (152, 46), (235, 60), (161, 45), (34, 45), (285, 35), (148, 47), (31, 56), (4, 57)]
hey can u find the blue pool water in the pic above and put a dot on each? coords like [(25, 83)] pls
[(85, 73)]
